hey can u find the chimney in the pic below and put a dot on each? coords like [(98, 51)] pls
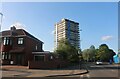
[(13, 28)]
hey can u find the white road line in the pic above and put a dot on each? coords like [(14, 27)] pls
[(81, 76), (88, 76), (112, 70)]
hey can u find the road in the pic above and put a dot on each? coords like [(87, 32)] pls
[(105, 71), (22, 71)]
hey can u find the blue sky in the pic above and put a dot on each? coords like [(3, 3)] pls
[(98, 21)]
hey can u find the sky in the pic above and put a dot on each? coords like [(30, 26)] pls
[(60, 0), (97, 20)]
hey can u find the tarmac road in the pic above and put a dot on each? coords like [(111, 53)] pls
[(104, 71), (95, 72)]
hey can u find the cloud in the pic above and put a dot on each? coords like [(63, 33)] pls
[(106, 38), (18, 25)]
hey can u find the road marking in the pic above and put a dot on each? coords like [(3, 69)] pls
[(81, 76), (112, 70), (88, 76), (97, 66)]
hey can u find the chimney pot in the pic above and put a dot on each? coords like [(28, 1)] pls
[(13, 28)]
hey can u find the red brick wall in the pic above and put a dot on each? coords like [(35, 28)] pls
[(29, 46), (47, 64), (5, 62), (6, 48)]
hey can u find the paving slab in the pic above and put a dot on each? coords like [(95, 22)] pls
[(23, 71)]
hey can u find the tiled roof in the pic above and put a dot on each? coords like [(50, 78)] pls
[(5, 33), (28, 34), (18, 32)]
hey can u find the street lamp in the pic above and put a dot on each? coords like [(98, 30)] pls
[(1, 20), (80, 53), (80, 40), (0, 35)]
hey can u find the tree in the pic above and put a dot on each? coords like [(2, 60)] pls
[(66, 51), (89, 54), (85, 54), (92, 52), (104, 53), (112, 53), (92, 47)]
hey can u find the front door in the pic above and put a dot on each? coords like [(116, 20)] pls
[(19, 58)]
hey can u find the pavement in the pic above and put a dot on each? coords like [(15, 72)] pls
[(23, 71), (105, 71)]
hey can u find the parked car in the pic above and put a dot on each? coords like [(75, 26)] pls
[(99, 62)]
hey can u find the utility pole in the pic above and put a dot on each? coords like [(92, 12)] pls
[(0, 37), (80, 53), (80, 39), (1, 20)]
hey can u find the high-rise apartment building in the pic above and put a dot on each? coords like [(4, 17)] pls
[(67, 29)]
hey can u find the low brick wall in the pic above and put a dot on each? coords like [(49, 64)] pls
[(47, 64), (5, 62)]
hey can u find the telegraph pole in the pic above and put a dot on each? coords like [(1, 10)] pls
[(80, 53), (0, 37), (1, 20), (80, 39)]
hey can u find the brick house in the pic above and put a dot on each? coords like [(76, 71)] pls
[(17, 46)]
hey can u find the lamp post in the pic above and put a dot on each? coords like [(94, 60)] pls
[(80, 39), (1, 20), (80, 54), (0, 36)]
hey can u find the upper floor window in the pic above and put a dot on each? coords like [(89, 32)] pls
[(6, 41), (20, 40), (36, 47)]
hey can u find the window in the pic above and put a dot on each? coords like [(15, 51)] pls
[(9, 56), (20, 40), (51, 57), (6, 41), (39, 57), (3, 55), (6, 55), (36, 47)]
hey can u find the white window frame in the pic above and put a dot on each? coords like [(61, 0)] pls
[(20, 40), (3, 55), (36, 47), (6, 41)]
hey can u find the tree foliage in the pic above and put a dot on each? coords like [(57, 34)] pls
[(103, 53), (86, 54), (66, 51), (89, 54)]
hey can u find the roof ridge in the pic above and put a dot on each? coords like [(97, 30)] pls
[(30, 35), (24, 31)]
